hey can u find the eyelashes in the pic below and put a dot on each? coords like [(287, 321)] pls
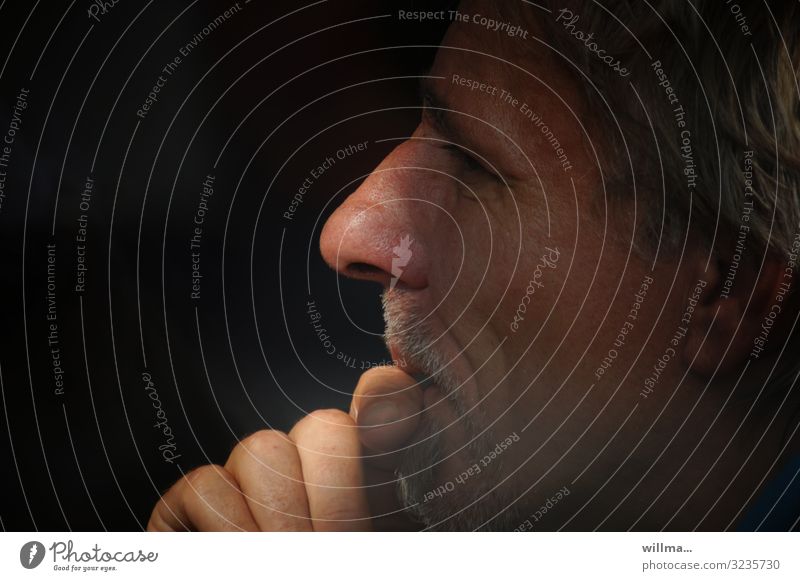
[(468, 160)]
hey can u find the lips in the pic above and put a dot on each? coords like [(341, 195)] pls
[(404, 363), (439, 366), (432, 393)]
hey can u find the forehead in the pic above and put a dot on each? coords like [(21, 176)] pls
[(506, 44), (497, 66)]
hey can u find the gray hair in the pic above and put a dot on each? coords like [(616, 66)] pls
[(733, 69)]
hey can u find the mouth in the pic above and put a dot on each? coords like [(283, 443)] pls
[(405, 363), (426, 376)]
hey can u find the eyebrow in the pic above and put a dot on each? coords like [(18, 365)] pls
[(445, 120), (439, 111)]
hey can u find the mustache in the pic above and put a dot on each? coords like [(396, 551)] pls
[(412, 334), (417, 340)]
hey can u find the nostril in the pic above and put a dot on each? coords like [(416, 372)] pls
[(363, 269)]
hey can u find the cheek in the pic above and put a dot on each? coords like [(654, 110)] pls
[(472, 256), (531, 318), (536, 265), (514, 272), (546, 302)]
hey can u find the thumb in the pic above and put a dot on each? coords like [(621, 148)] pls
[(386, 406)]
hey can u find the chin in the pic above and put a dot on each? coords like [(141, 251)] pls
[(438, 488)]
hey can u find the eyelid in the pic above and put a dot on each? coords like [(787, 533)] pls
[(473, 162), (432, 112)]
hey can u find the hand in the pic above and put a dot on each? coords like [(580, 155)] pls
[(332, 472)]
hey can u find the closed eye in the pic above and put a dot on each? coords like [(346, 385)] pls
[(471, 162)]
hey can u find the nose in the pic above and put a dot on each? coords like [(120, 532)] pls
[(383, 231)]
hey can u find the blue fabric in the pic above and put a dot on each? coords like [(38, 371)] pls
[(778, 505)]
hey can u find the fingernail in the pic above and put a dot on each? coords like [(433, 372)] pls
[(378, 414)]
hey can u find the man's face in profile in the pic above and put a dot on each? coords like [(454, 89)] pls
[(557, 365), (560, 359), (512, 273)]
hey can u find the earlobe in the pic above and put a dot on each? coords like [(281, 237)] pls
[(708, 320), (730, 314)]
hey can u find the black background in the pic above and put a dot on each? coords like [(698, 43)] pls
[(272, 93)]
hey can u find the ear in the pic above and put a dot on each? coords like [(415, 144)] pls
[(737, 316)]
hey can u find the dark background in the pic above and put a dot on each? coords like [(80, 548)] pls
[(271, 92)]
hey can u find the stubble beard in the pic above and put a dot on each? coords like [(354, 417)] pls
[(475, 504)]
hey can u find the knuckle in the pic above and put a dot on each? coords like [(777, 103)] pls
[(327, 432), (157, 520), (201, 479), (339, 515), (329, 418), (264, 443)]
